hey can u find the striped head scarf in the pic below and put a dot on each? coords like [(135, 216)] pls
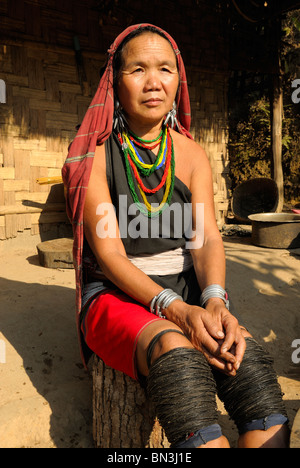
[(96, 127)]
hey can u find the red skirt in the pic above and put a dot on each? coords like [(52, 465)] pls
[(111, 328)]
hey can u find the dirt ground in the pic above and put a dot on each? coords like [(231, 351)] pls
[(46, 395)]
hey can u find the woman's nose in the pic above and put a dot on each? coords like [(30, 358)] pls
[(152, 81)]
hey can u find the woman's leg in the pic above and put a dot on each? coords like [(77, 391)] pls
[(275, 437), (255, 392), (181, 385)]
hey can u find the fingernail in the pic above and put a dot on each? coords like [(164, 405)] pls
[(220, 334)]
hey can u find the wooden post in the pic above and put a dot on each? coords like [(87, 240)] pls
[(276, 123), (122, 414), (277, 140)]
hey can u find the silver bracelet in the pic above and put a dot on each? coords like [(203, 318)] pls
[(162, 301), (211, 291)]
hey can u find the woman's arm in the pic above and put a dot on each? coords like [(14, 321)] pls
[(209, 262), (109, 251)]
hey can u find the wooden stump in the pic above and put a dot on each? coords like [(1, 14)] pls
[(122, 415), (56, 253), (295, 433)]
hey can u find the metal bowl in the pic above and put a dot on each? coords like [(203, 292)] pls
[(276, 230)]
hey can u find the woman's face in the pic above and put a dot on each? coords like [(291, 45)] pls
[(148, 79)]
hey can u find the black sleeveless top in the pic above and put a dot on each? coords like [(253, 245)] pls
[(139, 233)]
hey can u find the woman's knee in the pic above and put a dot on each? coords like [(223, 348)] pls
[(182, 388), (164, 342), (157, 339)]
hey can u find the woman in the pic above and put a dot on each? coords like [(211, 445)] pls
[(148, 305)]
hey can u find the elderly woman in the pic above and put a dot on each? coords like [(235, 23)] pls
[(149, 259)]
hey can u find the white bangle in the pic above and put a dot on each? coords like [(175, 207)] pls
[(162, 301), (214, 291)]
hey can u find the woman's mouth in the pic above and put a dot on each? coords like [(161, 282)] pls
[(153, 102)]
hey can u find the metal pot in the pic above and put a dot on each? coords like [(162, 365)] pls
[(259, 195), (276, 230)]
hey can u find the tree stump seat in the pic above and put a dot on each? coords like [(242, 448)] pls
[(122, 415), (295, 433), (56, 253)]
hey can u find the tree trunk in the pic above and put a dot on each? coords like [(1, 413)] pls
[(277, 117), (277, 140), (122, 414)]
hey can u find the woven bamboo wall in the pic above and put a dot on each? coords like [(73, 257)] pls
[(46, 97)]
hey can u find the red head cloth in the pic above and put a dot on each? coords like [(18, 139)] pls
[(94, 130)]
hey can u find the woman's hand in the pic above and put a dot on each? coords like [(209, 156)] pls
[(214, 331), (233, 341)]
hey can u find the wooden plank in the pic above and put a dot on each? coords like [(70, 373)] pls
[(1, 192), (54, 138), (25, 209), (29, 143), (37, 197), (46, 159), (12, 79), (21, 113), (35, 173), (9, 198), (70, 88), (33, 19), (62, 123), (7, 145), (29, 92), (10, 226), (35, 74), (49, 218), (15, 9), (22, 164), (7, 172), (37, 121), (44, 104), (19, 59), (52, 88), (15, 185), (2, 233), (68, 102)]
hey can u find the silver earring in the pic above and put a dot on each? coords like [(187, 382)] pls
[(171, 116), (119, 120)]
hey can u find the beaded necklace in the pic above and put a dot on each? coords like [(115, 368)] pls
[(136, 166)]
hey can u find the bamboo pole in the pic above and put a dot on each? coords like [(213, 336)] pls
[(49, 180)]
